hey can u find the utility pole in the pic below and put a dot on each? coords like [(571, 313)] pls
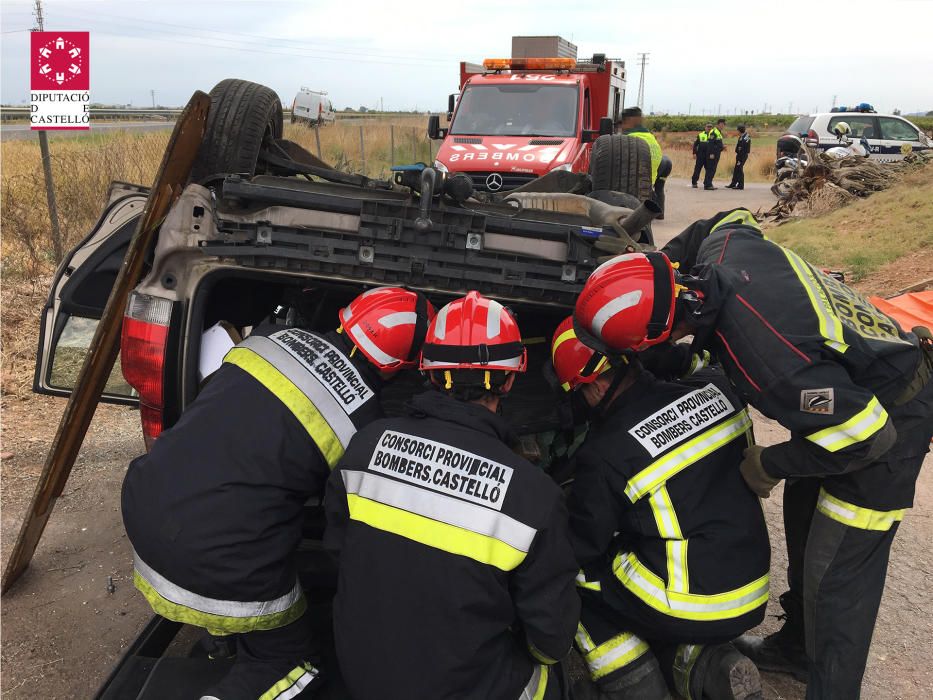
[(152, 92), (834, 101), (643, 60), (690, 108), (57, 243)]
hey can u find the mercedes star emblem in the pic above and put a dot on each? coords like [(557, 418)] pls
[(494, 182)]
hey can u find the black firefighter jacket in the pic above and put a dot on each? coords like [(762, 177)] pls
[(807, 351), (661, 517), (455, 558), (216, 506)]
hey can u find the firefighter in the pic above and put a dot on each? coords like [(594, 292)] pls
[(853, 388), (456, 573), (673, 545), (714, 149), (700, 152), (743, 147), (630, 123), (214, 511)]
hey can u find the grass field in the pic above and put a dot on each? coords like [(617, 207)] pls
[(871, 232)]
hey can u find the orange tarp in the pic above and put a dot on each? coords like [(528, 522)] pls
[(909, 310)]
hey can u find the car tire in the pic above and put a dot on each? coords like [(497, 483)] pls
[(243, 116), (622, 164)]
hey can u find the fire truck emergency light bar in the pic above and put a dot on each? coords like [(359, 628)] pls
[(529, 63)]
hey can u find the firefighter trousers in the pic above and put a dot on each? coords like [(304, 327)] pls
[(838, 558), (271, 664)]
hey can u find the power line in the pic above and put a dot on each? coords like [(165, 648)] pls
[(643, 60)]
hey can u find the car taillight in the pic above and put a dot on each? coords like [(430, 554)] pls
[(142, 356), (812, 138)]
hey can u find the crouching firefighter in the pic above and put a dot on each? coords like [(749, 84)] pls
[(214, 512), (456, 574), (673, 544), (848, 382)]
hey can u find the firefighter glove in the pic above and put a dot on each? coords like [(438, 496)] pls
[(753, 471)]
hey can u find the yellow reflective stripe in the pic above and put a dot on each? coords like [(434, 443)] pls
[(433, 533), (829, 323), (650, 589), (213, 623), (581, 582), (677, 575), (685, 657), (542, 684), (618, 652), (584, 640), (540, 655), (859, 427), (698, 362), (857, 516), (740, 216), (664, 516), (290, 395), (689, 453), (297, 680), (559, 340)]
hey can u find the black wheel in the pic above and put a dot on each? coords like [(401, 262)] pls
[(242, 118), (622, 164)]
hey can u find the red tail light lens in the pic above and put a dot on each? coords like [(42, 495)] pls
[(812, 138), (142, 356)]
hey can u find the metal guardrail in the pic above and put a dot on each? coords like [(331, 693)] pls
[(146, 114)]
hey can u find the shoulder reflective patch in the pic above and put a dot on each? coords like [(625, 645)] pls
[(681, 419), (819, 401), (859, 427), (327, 364), (439, 467)]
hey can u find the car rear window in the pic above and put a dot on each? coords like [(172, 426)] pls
[(801, 125)]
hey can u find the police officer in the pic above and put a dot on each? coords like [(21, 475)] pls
[(700, 153), (853, 388), (714, 149), (631, 124), (673, 545), (742, 149), (214, 511), (456, 571)]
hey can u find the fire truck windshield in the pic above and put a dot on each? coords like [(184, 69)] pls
[(517, 110)]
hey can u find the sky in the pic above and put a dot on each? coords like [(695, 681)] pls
[(725, 58)]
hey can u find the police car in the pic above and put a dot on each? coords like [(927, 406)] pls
[(889, 136)]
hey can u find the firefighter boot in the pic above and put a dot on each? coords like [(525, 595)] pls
[(641, 680), (784, 651), (715, 672)]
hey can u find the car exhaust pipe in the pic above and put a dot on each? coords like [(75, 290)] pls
[(641, 217)]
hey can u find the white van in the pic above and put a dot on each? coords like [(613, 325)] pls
[(312, 107)]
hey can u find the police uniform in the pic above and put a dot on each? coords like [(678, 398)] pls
[(654, 147), (853, 388), (214, 511), (700, 151), (673, 544), (456, 571), (714, 149), (742, 149)]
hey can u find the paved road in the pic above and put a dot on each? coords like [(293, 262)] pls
[(18, 132), (685, 205)]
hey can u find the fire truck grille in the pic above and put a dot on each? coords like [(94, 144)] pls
[(545, 142), (468, 139), (485, 181)]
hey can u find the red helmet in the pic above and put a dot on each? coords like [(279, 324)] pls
[(388, 325), (627, 303), (574, 363), (474, 333)]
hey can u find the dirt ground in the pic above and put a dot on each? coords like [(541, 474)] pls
[(63, 627)]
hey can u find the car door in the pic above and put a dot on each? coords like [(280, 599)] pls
[(898, 138), (863, 126), (78, 295)]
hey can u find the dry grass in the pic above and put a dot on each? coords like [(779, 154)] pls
[(759, 168), (869, 233)]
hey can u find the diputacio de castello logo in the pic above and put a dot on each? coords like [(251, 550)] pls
[(60, 80)]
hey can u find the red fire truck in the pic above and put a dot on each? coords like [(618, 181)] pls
[(519, 118)]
